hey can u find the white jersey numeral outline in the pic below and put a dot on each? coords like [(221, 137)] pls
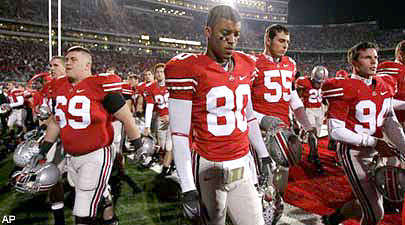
[(314, 96), (283, 90), (370, 118), (233, 109)]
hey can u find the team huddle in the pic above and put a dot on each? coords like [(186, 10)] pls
[(230, 124)]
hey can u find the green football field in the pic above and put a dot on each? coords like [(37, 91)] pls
[(141, 208)]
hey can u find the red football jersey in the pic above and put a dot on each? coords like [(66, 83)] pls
[(47, 92), (397, 71), (271, 90), (141, 88), (219, 123), (37, 99), (13, 94), (85, 125), (127, 90), (311, 97), (159, 96), (361, 108)]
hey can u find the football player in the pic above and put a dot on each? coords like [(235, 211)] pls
[(148, 80), (85, 105), (309, 89), (133, 80), (273, 93), (16, 119), (396, 69), (212, 124), (56, 194), (157, 96), (360, 107)]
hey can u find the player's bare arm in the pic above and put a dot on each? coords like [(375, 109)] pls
[(124, 115), (52, 130)]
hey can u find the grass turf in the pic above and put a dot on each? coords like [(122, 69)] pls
[(143, 208)]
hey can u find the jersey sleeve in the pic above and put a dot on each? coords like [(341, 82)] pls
[(338, 95), (300, 82), (389, 68), (148, 94), (110, 83), (391, 83), (181, 82), (127, 91)]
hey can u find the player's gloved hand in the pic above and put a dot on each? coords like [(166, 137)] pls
[(267, 167), (35, 159), (191, 205), (384, 149), (135, 144)]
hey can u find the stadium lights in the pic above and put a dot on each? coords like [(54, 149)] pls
[(175, 41), (145, 37)]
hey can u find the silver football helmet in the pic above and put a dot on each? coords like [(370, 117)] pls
[(284, 147), (29, 147), (32, 180), (390, 182), (148, 148), (319, 74), (44, 112)]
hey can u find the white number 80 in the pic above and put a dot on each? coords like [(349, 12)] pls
[(233, 115)]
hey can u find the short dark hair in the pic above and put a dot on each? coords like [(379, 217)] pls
[(222, 11), (272, 30), (354, 52)]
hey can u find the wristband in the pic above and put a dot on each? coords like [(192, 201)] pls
[(45, 147)]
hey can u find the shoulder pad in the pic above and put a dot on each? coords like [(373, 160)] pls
[(389, 67), (109, 82), (244, 55), (334, 88), (389, 82)]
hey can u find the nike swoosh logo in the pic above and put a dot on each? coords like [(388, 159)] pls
[(242, 77), (383, 93), (79, 91)]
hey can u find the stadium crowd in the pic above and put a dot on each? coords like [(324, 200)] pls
[(149, 106), (98, 17)]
